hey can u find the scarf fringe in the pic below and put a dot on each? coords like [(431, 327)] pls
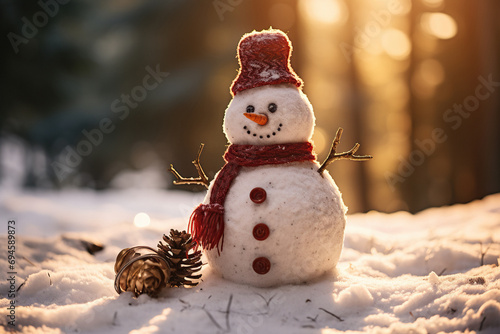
[(206, 226)]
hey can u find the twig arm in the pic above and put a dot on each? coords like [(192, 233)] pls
[(333, 155), (202, 177)]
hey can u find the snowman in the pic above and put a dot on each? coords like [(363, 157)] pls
[(272, 215)]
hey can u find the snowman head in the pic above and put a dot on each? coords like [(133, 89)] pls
[(268, 106), (271, 114)]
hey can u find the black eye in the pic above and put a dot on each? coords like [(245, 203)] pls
[(250, 109), (272, 107)]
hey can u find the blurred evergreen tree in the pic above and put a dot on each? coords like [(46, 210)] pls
[(87, 55)]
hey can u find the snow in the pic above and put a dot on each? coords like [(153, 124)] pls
[(398, 273)]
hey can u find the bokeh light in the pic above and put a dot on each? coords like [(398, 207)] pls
[(325, 11), (440, 25), (142, 219), (396, 43)]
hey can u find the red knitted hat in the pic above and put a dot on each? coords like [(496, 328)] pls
[(264, 59)]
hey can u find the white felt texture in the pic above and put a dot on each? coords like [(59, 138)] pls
[(306, 217), (294, 113)]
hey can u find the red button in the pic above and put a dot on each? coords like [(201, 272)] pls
[(258, 195), (261, 265), (261, 231)]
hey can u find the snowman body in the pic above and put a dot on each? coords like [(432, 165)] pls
[(302, 218), (282, 223)]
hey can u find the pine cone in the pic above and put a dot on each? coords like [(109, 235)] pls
[(141, 270), (182, 263)]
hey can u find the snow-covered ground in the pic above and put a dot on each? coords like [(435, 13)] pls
[(436, 271)]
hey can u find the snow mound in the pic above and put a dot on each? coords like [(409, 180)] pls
[(433, 272)]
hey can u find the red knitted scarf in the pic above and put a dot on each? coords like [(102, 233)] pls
[(206, 223)]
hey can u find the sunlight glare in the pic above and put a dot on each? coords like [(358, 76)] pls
[(439, 25), (325, 11), (396, 44), (142, 219)]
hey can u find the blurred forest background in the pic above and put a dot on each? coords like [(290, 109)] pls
[(87, 101)]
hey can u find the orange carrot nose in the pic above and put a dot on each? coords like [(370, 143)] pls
[(260, 119)]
